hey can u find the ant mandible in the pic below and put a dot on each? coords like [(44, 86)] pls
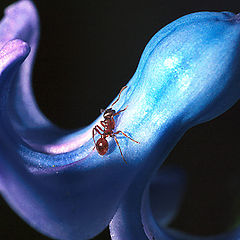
[(108, 125)]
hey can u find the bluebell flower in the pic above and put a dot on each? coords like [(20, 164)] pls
[(188, 74)]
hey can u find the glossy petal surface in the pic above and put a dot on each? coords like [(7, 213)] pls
[(188, 73), (191, 69)]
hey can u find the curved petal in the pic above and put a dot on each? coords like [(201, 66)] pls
[(154, 231), (69, 211), (12, 54), (21, 22), (54, 179), (191, 70), (166, 193)]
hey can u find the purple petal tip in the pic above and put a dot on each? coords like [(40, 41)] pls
[(12, 51)]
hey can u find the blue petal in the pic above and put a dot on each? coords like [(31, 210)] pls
[(188, 74), (72, 204), (166, 193), (53, 179)]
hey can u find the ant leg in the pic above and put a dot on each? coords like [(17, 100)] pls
[(93, 134), (119, 148), (102, 123), (119, 95), (115, 114), (97, 129), (126, 136)]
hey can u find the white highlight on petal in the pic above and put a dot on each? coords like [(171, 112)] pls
[(171, 62), (184, 82)]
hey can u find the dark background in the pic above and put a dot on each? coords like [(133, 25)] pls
[(88, 51)]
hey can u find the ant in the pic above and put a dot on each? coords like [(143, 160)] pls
[(108, 125)]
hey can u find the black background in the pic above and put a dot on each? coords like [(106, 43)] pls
[(88, 51)]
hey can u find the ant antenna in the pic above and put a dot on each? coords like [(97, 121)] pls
[(119, 95)]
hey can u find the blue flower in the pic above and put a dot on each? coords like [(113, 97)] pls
[(188, 74)]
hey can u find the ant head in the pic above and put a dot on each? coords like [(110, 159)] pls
[(108, 113)]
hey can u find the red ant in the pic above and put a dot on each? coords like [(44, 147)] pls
[(108, 125)]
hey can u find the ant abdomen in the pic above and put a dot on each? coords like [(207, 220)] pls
[(102, 146)]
